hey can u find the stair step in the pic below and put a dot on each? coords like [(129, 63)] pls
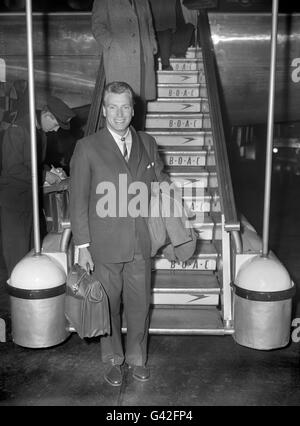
[(207, 227), (190, 172), (178, 105), (193, 264), (182, 91), (183, 64), (171, 138), (203, 204), (194, 298), (182, 288), (188, 158), (194, 52), (185, 321), (204, 259), (181, 77), (179, 121), (198, 198), (204, 179), (164, 281)]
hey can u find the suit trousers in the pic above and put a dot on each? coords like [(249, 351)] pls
[(165, 46), (130, 283)]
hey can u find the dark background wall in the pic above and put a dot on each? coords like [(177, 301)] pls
[(85, 5)]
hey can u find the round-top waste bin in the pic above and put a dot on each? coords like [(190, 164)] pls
[(263, 294), (37, 294)]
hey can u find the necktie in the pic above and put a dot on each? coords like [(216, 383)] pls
[(125, 151)]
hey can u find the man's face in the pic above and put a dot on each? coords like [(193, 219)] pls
[(118, 111), (49, 122)]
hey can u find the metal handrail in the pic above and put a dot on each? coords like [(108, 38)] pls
[(232, 223), (95, 118)]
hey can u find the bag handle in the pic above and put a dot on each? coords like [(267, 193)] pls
[(76, 285)]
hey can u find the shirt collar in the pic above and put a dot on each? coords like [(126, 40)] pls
[(116, 136)]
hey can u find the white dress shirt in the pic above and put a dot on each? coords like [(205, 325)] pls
[(119, 142)]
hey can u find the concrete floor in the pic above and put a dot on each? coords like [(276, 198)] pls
[(185, 371)]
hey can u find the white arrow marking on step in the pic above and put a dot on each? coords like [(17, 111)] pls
[(189, 140), (189, 181), (185, 106), (186, 77), (197, 297)]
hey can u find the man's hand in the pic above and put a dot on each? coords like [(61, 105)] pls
[(59, 171), (85, 260), (52, 178)]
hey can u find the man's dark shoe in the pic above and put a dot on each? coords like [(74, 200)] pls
[(167, 68), (113, 375), (140, 372)]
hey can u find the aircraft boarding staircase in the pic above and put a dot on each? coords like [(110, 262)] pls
[(186, 295), (192, 297)]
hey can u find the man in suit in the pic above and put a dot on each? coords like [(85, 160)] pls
[(117, 246)]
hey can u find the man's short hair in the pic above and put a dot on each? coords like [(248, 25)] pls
[(118, 87)]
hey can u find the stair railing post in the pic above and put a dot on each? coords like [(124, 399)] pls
[(197, 33), (34, 169), (269, 151), (226, 294)]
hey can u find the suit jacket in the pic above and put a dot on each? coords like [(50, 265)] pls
[(126, 37), (97, 159)]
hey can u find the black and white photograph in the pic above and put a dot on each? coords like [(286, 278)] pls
[(149, 206)]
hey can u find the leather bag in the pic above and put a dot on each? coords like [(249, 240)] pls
[(86, 304)]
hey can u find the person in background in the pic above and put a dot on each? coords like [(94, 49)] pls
[(190, 17), (16, 178), (186, 22), (61, 144), (117, 246), (174, 25), (164, 19), (126, 38)]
